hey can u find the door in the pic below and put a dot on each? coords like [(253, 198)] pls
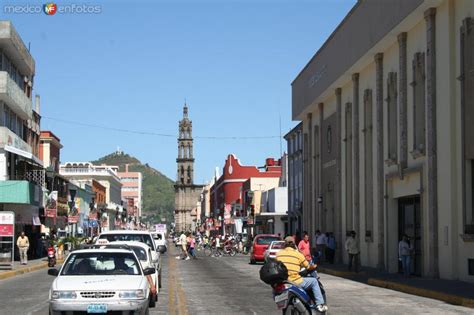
[(409, 223)]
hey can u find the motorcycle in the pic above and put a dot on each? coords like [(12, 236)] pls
[(51, 256), (292, 299)]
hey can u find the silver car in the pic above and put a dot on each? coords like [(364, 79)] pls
[(273, 249)]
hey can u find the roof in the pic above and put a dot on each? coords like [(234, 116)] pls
[(295, 128), (105, 250), (129, 243), (125, 232)]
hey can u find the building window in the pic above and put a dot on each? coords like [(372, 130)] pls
[(392, 104), (348, 144), (368, 167), (418, 86), (329, 139)]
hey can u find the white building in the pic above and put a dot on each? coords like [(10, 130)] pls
[(387, 106), (81, 173)]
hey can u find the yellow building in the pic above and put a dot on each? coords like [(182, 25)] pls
[(387, 106)]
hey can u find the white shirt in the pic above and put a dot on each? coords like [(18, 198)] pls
[(322, 240)]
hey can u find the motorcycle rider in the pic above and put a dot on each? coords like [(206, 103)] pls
[(294, 261)]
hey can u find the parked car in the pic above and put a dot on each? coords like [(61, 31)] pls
[(273, 249), (260, 245), (160, 241), (133, 236), (144, 255), (100, 281)]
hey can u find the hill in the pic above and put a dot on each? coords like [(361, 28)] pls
[(158, 191)]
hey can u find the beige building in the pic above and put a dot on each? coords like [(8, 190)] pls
[(387, 106)]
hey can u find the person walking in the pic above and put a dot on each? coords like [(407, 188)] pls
[(305, 248), (404, 254), (184, 247), (352, 249), (321, 243), (23, 245), (192, 245), (331, 248)]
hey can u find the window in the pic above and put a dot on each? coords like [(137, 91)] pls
[(418, 86), (392, 104), (368, 167)]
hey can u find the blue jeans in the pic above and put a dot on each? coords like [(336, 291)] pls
[(406, 264), (313, 284)]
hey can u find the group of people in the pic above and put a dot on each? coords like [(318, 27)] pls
[(188, 246)]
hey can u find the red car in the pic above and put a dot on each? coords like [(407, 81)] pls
[(260, 244)]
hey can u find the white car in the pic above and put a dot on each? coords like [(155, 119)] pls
[(144, 255), (134, 236), (100, 281), (273, 249), (160, 241)]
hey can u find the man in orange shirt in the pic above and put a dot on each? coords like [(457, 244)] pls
[(304, 247)]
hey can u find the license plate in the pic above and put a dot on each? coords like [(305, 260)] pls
[(281, 300), (97, 308)]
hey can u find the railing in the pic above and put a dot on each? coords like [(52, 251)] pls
[(35, 176)]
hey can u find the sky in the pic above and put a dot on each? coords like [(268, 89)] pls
[(134, 64)]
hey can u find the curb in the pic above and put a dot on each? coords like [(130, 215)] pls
[(449, 298), (13, 273), (340, 273)]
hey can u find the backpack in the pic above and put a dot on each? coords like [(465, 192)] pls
[(273, 272)]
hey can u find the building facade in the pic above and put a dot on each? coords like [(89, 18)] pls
[(295, 178), (21, 172), (387, 115), (132, 189), (187, 194), (84, 173)]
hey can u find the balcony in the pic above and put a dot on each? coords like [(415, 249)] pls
[(14, 97), (20, 192)]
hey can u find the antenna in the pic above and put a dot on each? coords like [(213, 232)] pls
[(281, 147)]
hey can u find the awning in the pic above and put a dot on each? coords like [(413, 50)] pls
[(271, 214), (24, 154)]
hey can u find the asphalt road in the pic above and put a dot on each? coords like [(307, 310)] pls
[(228, 285)]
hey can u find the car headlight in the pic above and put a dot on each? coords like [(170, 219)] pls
[(56, 295), (136, 294)]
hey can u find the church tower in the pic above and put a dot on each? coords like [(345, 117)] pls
[(185, 158), (187, 193)]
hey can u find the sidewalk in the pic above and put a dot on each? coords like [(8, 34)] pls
[(33, 265), (450, 291)]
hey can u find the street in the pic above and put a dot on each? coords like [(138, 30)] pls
[(228, 285)]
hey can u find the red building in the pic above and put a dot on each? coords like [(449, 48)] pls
[(227, 192)]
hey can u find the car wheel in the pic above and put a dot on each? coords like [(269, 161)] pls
[(253, 261), (159, 280), (152, 302), (51, 312)]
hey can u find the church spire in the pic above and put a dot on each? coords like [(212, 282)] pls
[(185, 110)]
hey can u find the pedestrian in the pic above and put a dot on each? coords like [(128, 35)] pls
[(404, 254), (304, 247), (184, 246), (321, 243), (352, 249), (192, 245), (23, 244), (331, 248)]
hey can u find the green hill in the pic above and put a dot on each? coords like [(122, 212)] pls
[(158, 191)]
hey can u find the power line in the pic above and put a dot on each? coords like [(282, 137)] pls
[(151, 133)]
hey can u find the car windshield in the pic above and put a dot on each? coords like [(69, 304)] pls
[(278, 245), (101, 263), (142, 238), (266, 240), (140, 252)]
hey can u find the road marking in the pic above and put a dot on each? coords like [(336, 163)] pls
[(37, 307), (171, 273)]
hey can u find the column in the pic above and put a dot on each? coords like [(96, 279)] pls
[(402, 101), (338, 182), (380, 161), (310, 175), (322, 217), (355, 150), (430, 18)]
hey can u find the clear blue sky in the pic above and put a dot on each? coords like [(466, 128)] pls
[(132, 66)]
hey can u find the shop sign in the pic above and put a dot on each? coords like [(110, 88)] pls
[(7, 223), (51, 208)]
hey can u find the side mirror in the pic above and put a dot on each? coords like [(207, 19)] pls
[(53, 272), (162, 249), (149, 271)]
